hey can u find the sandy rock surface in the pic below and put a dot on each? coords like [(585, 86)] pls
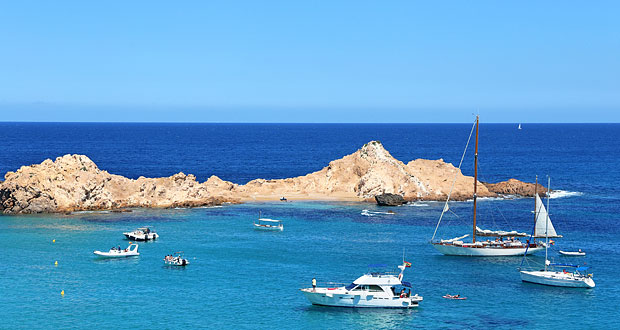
[(74, 182)]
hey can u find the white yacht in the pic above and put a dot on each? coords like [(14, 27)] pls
[(577, 277), (374, 289), (117, 252), (506, 243), (142, 234)]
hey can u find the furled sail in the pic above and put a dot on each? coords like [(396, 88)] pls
[(498, 233), (541, 218)]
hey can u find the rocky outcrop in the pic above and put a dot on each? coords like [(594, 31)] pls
[(518, 188), (390, 200), (74, 182)]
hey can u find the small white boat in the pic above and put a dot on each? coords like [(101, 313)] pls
[(577, 278), (374, 289), (519, 126), (142, 234), (573, 253), (564, 278), (117, 252), (268, 224), (176, 259)]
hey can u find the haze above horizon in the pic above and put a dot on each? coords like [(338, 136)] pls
[(290, 62)]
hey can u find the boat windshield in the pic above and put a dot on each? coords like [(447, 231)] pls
[(350, 286)]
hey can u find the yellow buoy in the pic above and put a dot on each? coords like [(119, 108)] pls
[(62, 293), (53, 241), (55, 263)]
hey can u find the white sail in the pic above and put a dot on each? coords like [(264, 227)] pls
[(541, 219)]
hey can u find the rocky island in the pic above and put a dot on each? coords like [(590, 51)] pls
[(75, 183)]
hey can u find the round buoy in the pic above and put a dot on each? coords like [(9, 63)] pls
[(56, 263), (62, 293), (54, 241)]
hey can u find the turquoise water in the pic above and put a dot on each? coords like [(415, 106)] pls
[(241, 278)]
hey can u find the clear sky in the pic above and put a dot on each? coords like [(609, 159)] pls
[(310, 61)]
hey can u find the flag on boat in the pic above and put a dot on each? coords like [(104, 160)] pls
[(407, 264)]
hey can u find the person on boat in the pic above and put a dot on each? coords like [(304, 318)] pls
[(402, 293), (457, 296), (313, 284)]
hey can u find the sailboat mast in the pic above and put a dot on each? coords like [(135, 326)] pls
[(475, 179), (547, 222), (535, 205)]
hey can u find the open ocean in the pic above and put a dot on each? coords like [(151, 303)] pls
[(243, 279)]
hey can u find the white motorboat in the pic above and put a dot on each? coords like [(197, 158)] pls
[(268, 224), (176, 259), (573, 253), (577, 278), (142, 234), (117, 252), (500, 247), (374, 289)]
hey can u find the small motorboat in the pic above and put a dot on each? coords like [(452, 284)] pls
[(455, 297), (283, 199), (573, 253), (268, 224), (142, 234), (117, 252), (176, 259)]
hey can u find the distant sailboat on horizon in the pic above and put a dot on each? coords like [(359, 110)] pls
[(519, 126)]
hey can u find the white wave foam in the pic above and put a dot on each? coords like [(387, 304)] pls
[(373, 213), (564, 193), (416, 204)]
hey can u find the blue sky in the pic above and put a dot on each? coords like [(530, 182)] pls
[(314, 61)]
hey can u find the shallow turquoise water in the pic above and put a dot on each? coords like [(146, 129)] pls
[(242, 278)]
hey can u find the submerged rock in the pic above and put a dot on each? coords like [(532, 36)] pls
[(390, 200)]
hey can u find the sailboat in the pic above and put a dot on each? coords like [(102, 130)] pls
[(519, 126), (577, 277), (499, 247)]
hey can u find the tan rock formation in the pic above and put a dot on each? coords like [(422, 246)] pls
[(516, 187), (74, 182)]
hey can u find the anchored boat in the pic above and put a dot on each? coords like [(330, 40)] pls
[(507, 243), (117, 252), (268, 224), (142, 234), (374, 289), (576, 277), (176, 259)]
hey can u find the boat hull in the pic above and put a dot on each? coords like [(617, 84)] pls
[(269, 228), (116, 255), (359, 301), (573, 254), (557, 279), (455, 250)]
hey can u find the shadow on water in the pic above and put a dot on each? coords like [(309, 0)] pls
[(130, 260)]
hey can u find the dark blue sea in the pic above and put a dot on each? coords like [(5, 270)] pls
[(243, 279)]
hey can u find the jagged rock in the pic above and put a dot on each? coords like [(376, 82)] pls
[(74, 183), (390, 200)]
